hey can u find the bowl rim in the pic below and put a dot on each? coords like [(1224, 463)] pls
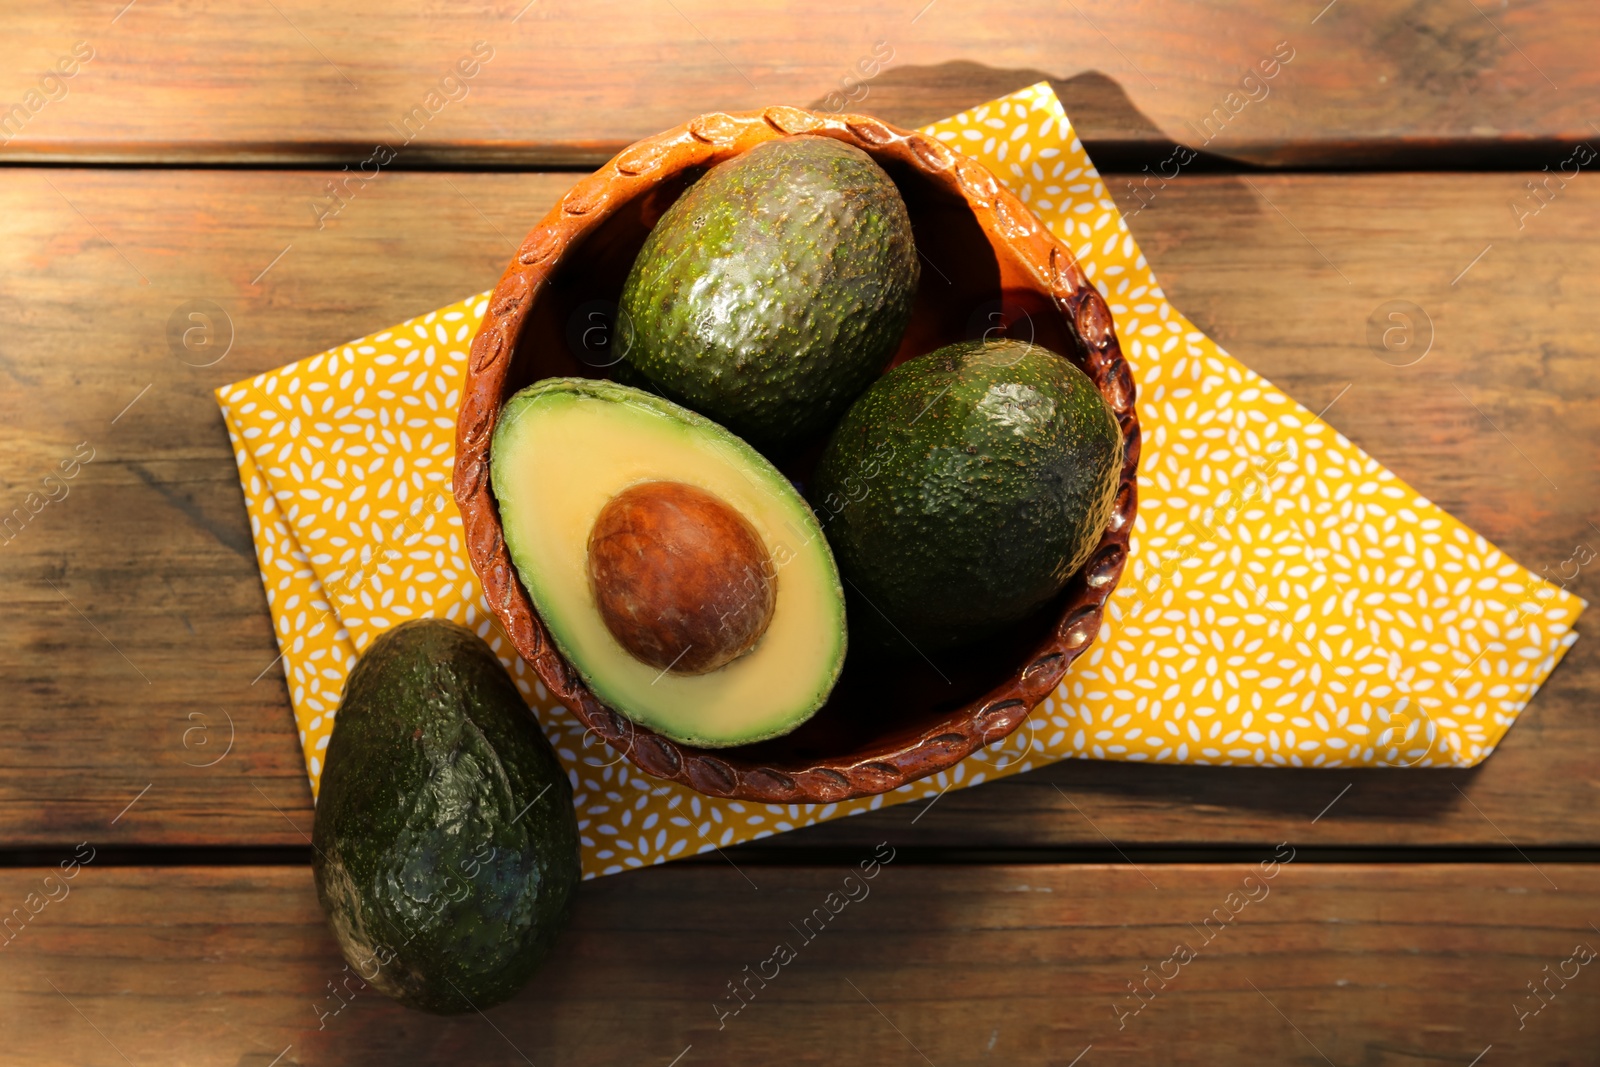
[(704, 141)]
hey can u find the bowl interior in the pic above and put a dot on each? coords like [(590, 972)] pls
[(970, 288)]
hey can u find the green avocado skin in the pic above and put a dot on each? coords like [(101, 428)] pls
[(774, 290), (446, 845), (963, 490)]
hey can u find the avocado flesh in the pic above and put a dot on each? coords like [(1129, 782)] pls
[(446, 845), (964, 489), (562, 449), (774, 290)]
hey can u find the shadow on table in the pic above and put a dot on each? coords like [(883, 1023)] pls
[(1076, 804), (1281, 794), (1129, 149)]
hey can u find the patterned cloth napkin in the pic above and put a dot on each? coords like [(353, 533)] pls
[(1288, 601)]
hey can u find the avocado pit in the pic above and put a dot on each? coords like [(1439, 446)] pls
[(681, 579)]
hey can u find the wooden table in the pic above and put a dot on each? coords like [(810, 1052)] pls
[(1390, 159)]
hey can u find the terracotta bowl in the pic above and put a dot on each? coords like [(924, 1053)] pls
[(988, 266)]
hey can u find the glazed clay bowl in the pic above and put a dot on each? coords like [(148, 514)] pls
[(989, 268)]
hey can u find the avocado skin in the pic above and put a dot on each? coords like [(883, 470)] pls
[(439, 894), (963, 490), (774, 290)]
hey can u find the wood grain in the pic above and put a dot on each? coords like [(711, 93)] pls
[(571, 82), (1002, 964), (134, 613)]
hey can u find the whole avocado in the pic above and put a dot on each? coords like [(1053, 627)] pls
[(446, 845), (964, 489), (774, 290)]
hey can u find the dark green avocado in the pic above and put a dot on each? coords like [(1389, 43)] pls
[(446, 846), (774, 290), (963, 490)]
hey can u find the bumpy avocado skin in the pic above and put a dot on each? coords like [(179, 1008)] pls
[(774, 290), (963, 490), (446, 845)]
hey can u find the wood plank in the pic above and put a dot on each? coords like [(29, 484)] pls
[(570, 83), (1031, 964), (135, 613)]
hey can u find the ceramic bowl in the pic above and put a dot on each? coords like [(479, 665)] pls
[(989, 266)]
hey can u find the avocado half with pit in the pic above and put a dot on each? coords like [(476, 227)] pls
[(681, 575)]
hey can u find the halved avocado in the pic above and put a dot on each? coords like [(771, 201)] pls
[(681, 575)]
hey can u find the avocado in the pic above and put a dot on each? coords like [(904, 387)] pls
[(446, 845), (679, 573), (774, 290), (964, 489)]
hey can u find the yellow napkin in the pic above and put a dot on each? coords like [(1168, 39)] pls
[(1288, 601)]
